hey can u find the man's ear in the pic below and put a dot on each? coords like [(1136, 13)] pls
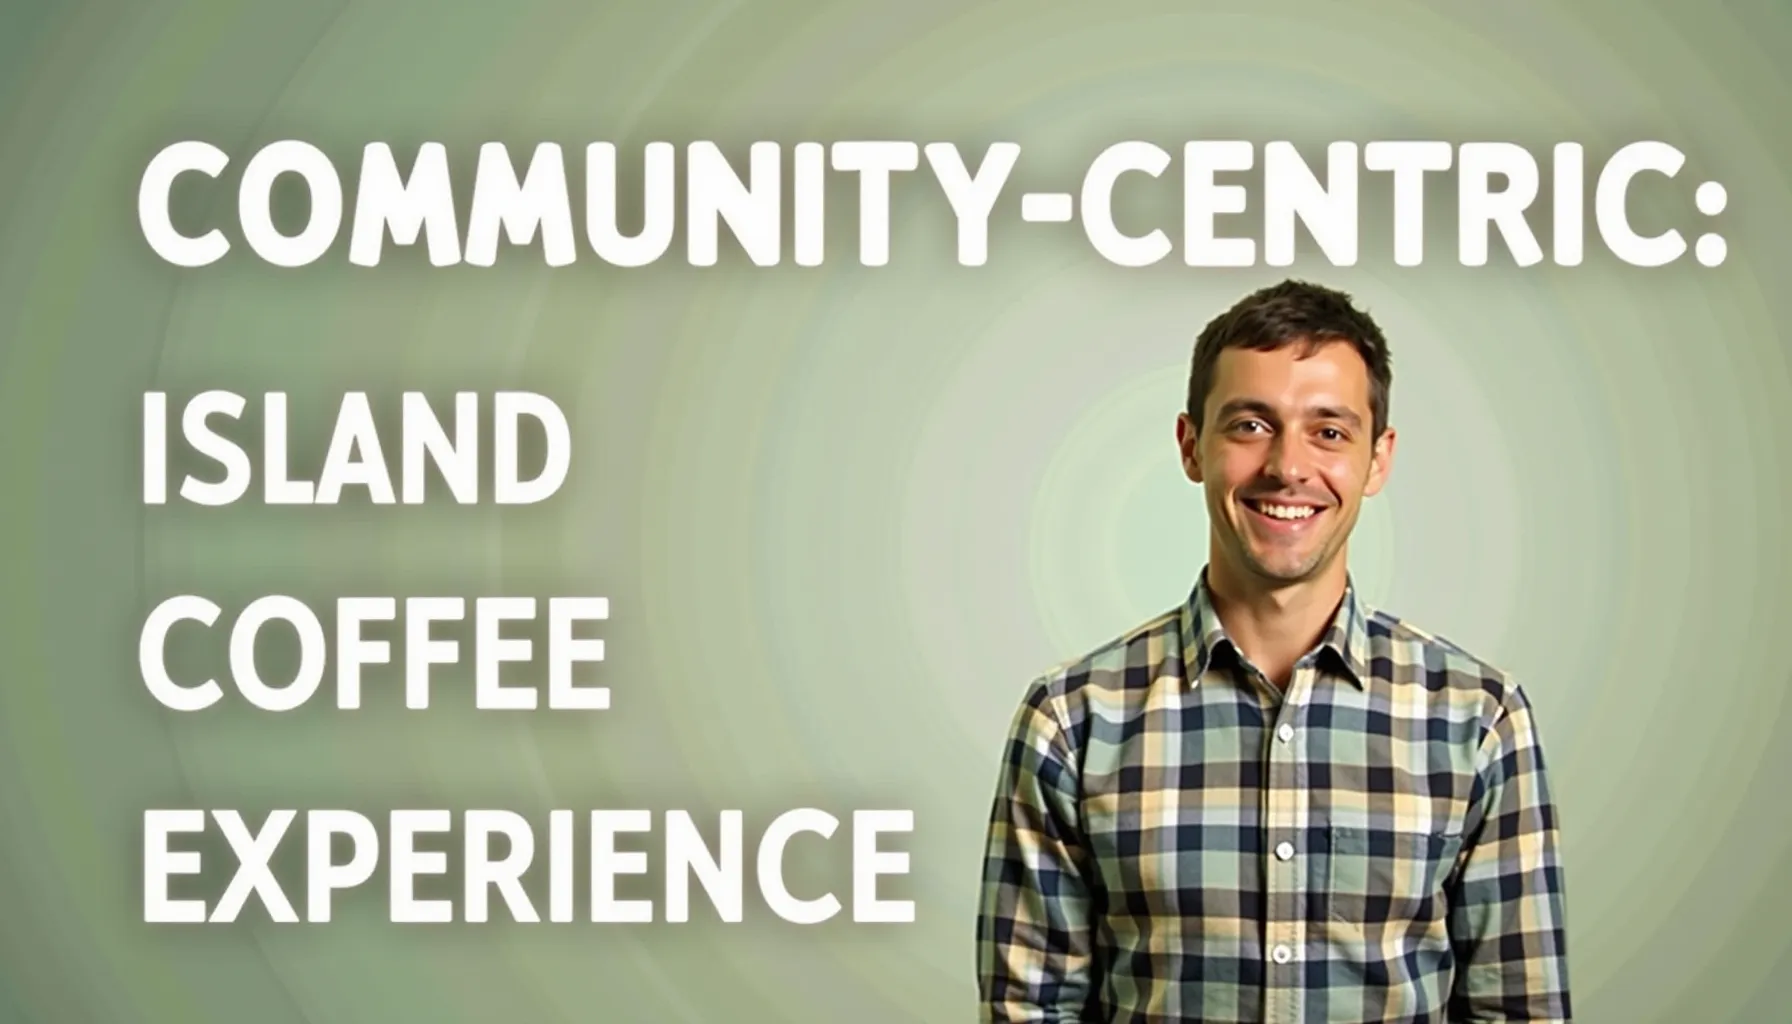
[(1188, 442), (1381, 463)]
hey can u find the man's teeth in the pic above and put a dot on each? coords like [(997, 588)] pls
[(1286, 511)]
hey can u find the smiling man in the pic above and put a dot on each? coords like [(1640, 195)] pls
[(1274, 803)]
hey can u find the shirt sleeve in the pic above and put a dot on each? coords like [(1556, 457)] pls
[(1507, 922), (1033, 922)]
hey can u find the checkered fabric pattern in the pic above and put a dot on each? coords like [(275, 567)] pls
[(1175, 839)]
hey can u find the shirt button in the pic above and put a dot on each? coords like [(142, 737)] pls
[(1285, 851), (1284, 732), (1281, 954)]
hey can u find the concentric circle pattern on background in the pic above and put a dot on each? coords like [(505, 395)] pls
[(843, 514)]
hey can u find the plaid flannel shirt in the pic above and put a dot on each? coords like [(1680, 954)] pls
[(1174, 839)]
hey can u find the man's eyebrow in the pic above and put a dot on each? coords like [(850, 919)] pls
[(1261, 408), (1238, 405), (1328, 412)]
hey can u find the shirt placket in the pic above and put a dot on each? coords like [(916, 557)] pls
[(1285, 819)]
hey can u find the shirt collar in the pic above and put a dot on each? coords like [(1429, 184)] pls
[(1345, 642)]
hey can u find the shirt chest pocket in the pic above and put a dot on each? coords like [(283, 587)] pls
[(1387, 875)]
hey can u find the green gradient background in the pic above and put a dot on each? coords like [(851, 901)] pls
[(843, 513)]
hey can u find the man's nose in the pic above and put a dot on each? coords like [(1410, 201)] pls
[(1288, 460)]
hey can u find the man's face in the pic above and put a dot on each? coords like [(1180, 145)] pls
[(1285, 457)]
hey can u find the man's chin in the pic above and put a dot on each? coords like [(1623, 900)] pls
[(1285, 569)]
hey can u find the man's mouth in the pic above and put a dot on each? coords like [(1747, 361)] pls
[(1287, 512)]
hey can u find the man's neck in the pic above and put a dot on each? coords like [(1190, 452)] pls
[(1274, 627)]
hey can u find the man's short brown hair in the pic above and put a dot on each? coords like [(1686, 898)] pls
[(1292, 313)]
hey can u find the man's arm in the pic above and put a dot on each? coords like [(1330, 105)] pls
[(1033, 928), (1507, 919)]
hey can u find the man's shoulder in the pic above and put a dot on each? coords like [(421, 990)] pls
[(1402, 649), (1127, 663)]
